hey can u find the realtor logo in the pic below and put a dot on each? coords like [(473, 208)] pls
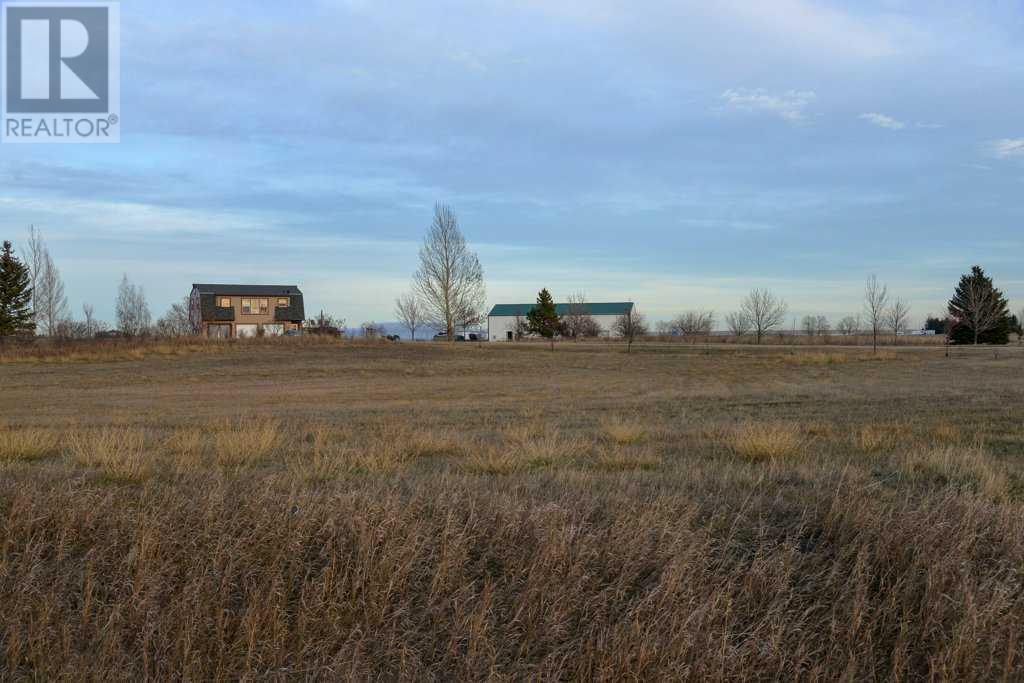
[(61, 72)]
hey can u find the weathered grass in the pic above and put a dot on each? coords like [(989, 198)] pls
[(117, 452), (758, 441), (27, 443), (462, 513)]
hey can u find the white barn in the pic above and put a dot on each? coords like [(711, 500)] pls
[(502, 320)]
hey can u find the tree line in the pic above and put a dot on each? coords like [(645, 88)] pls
[(448, 293), (33, 301)]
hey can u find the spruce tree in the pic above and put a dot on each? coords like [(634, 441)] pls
[(542, 318), (979, 311), (15, 295)]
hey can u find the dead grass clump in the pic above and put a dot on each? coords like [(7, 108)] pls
[(323, 459), (622, 430), (963, 469), (876, 438), (946, 432), (245, 441), (526, 447), (118, 452), (760, 441), (27, 443)]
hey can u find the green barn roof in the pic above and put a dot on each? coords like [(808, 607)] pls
[(606, 308)]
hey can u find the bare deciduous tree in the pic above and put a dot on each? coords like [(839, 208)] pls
[(175, 322), (809, 324), (520, 327), (90, 320), (409, 312), (849, 325), (764, 310), (133, 316), (49, 301), (896, 317), (876, 297), (630, 326), (577, 321), (824, 326), (693, 324), (738, 323), (449, 280)]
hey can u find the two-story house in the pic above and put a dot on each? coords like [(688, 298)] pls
[(226, 311)]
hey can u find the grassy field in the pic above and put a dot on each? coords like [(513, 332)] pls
[(295, 509)]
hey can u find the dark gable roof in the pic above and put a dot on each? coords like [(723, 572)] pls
[(248, 290), (600, 308)]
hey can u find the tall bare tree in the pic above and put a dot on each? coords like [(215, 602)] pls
[(809, 325), (49, 300), (738, 323), (823, 325), (896, 317), (764, 310), (409, 312), (449, 280), (876, 298), (89, 319), (133, 316), (631, 325)]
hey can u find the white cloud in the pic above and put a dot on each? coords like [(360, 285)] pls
[(883, 121), (1007, 148), (789, 106)]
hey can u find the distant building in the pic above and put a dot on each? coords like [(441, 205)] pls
[(225, 311), (503, 319)]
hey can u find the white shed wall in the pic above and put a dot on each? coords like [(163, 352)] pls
[(498, 327)]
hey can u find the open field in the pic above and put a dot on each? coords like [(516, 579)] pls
[(320, 510)]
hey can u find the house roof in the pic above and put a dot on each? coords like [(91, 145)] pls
[(599, 308), (250, 290)]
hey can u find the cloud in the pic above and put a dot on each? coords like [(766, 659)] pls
[(1007, 148), (883, 121), (788, 105)]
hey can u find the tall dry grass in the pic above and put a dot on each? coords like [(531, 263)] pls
[(672, 517)]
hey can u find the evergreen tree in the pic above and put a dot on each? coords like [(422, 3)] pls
[(15, 295), (542, 318), (979, 312)]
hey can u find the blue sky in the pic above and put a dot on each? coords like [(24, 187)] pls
[(673, 153)]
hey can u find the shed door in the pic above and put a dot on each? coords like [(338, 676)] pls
[(245, 331), (273, 330)]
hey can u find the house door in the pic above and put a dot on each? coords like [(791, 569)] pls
[(508, 335)]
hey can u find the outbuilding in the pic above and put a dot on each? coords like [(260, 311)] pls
[(505, 320)]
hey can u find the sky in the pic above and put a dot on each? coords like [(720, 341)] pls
[(672, 153)]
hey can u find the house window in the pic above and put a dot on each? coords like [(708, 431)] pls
[(225, 302), (255, 306), (282, 302)]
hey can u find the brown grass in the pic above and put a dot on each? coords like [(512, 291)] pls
[(433, 512), (766, 441), (27, 443)]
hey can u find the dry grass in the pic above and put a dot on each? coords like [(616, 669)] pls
[(118, 452), (622, 430), (757, 442), (27, 443), (464, 513)]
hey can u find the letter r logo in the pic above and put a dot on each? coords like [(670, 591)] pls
[(57, 59)]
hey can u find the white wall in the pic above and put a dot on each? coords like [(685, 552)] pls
[(498, 327)]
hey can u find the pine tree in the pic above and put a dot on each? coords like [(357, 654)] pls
[(979, 312), (542, 318), (15, 295)]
